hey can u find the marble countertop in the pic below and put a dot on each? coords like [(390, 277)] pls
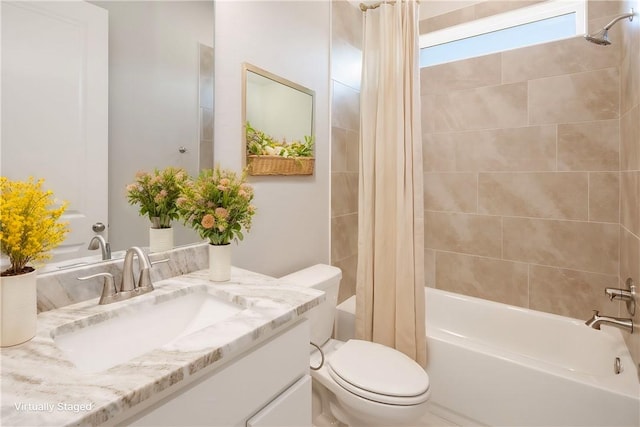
[(40, 386)]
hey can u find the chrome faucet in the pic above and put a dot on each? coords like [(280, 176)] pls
[(627, 295), (98, 241), (129, 284), (596, 320), (616, 293), (128, 288)]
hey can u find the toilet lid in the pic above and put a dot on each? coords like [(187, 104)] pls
[(379, 373)]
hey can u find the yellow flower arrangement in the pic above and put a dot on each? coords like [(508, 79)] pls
[(29, 223)]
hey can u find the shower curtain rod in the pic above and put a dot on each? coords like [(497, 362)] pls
[(365, 7)]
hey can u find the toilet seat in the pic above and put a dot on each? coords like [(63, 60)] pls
[(378, 373)]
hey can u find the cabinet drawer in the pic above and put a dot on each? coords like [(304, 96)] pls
[(291, 409)]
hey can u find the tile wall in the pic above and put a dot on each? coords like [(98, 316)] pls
[(522, 160), (532, 166), (346, 58), (630, 162)]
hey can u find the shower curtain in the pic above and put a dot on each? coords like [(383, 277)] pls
[(390, 273)]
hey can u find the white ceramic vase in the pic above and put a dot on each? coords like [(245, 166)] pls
[(18, 309), (160, 239), (219, 262)]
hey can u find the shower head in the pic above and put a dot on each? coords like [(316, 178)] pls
[(602, 37)]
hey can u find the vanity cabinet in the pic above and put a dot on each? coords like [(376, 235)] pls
[(267, 385)]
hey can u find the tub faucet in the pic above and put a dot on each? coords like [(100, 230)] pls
[(618, 322), (98, 241)]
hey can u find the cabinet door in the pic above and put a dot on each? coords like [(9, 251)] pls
[(291, 408)]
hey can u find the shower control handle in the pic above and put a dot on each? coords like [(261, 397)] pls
[(627, 295)]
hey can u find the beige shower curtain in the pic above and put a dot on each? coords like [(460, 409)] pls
[(390, 276)]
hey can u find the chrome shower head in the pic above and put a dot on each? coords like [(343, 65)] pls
[(602, 37)]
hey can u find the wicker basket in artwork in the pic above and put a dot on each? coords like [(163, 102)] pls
[(276, 165)]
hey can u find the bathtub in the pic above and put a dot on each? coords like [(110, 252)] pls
[(500, 365)]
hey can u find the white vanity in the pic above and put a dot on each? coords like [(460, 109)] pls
[(248, 366)]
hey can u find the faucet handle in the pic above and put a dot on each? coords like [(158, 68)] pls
[(144, 281), (627, 295), (109, 291), (614, 293)]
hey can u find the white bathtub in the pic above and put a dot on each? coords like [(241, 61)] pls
[(500, 365)]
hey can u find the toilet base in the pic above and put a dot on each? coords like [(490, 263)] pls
[(322, 415)]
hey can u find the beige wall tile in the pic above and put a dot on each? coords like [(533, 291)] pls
[(630, 160), (556, 58), (481, 108), (519, 149), (438, 152), (603, 8), (459, 75), (344, 237), (630, 201), (452, 192), (338, 150), (568, 292), (464, 233), (629, 256), (589, 146), (345, 107), (346, 23), (630, 65), (346, 63), (206, 155), (630, 140), (493, 279), (430, 268), (558, 195), (348, 283), (493, 7), (578, 97), (345, 110), (353, 154), (449, 19), (586, 246), (344, 193), (604, 196)]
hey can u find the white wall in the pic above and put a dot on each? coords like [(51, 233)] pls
[(153, 100), (291, 229)]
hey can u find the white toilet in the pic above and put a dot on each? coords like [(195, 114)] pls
[(360, 383)]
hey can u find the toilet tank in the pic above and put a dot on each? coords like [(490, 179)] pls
[(325, 278)]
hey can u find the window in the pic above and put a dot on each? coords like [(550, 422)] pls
[(540, 23)]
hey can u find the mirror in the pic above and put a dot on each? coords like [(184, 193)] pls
[(160, 105), (278, 116)]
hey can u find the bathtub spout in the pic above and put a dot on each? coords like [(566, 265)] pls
[(596, 320)]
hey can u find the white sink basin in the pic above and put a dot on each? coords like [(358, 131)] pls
[(140, 328)]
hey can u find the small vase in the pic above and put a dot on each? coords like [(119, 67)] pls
[(18, 308), (160, 239), (219, 262)]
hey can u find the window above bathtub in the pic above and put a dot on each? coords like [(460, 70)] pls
[(540, 23)]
